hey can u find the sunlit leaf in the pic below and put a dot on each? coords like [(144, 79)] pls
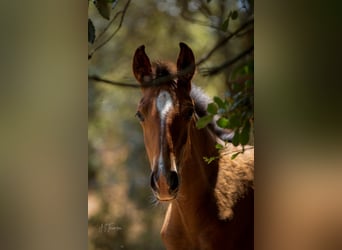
[(204, 121), (246, 69), (219, 146), (249, 67), (210, 159), (234, 155), (223, 122)]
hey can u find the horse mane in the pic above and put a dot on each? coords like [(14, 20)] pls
[(201, 100), (235, 178)]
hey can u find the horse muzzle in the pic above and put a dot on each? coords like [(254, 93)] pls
[(165, 186)]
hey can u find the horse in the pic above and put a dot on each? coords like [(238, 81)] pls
[(210, 205)]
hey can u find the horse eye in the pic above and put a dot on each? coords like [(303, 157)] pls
[(139, 116)]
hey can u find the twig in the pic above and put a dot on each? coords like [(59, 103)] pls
[(225, 40), (122, 13), (153, 82), (241, 34), (111, 82), (215, 70), (108, 25)]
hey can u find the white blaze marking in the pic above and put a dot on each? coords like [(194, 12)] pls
[(164, 104)]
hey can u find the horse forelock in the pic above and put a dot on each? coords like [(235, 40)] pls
[(164, 73), (163, 68)]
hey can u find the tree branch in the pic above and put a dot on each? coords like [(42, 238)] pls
[(111, 82), (122, 13), (224, 41), (215, 70), (153, 82)]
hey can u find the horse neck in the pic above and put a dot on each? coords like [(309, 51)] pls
[(197, 176)]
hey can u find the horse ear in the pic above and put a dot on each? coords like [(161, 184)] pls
[(142, 66), (185, 66)]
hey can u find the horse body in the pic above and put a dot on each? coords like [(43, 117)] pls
[(196, 219), (210, 205)]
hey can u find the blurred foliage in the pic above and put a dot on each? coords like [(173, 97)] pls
[(121, 214), (236, 109)]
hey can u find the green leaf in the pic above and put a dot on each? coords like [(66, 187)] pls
[(91, 31), (212, 108), (234, 121), (244, 135), (234, 155), (103, 6), (210, 159), (222, 122), (203, 121), (246, 69), (225, 24), (220, 103), (219, 146), (234, 15), (236, 138)]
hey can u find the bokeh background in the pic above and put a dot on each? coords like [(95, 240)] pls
[(120, 210)]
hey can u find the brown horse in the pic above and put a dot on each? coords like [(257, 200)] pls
[(210, 205)]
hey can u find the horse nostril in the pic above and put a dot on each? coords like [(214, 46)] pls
[(174, 183), (153, 183)]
